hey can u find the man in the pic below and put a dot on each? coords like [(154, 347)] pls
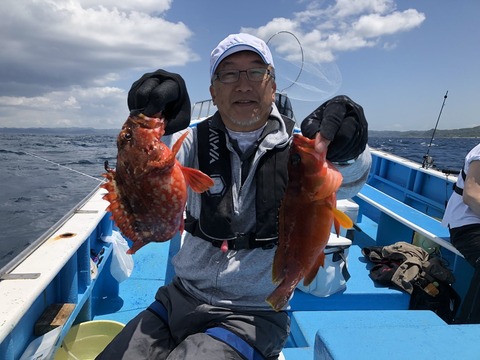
[(462, 216), (215, 307)]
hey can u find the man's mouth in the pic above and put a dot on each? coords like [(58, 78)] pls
[(244, 102)]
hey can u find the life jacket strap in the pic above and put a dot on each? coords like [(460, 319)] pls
[(235, 341), (158, 309), (219, 333), (240, 242)]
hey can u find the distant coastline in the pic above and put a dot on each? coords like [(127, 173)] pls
[(473, 132), (59, 131)]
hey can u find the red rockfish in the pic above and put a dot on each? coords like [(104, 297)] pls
[(148, 190), (306, 215)]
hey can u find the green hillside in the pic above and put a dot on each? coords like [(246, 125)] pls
[(466, 132)]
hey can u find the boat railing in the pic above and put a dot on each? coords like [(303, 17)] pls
[(426, 190), (12, 264), (203, 109), (66, 275)]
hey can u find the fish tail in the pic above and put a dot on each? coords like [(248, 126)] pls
[(278, 270), (278, 299), (197, 180)]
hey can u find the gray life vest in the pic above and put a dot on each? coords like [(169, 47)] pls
[(271, 179)]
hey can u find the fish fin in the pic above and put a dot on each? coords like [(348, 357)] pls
[(342, 218), (314, 269), (330, 182), (171, 158), (135, 247), (178, 143), (197, 180)]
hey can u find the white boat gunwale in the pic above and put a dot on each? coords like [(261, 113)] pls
[(48, 260), (69, 256)]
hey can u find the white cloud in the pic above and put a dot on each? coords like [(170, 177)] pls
[(344, 26), (376, 25), (71, 61), (66, 42), (345, 8), (101, 107), (146, 6), (325, 32), (62, 61)]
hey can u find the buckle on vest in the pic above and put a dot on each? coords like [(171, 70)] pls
[(241, 241)]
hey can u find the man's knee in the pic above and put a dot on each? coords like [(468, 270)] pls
[(202, 346)]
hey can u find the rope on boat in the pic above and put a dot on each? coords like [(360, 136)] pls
[(63, 166)]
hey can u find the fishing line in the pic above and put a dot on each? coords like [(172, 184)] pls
[(301, 51), (63, 166), (300, 73)]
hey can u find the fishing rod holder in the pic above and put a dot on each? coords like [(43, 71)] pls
[(427, 162)]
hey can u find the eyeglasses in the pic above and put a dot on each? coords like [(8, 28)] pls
[(231, 76)]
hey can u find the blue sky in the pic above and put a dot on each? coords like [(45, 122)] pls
[(71, 62)]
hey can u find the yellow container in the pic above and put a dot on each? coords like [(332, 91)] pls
[(86, 340)]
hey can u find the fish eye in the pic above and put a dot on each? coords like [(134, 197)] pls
[(127, 136)]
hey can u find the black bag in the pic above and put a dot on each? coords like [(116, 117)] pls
[(437, 296), (432, 288)]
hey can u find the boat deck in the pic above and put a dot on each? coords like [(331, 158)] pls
[(365, 321), (138, 292), (361, 294)]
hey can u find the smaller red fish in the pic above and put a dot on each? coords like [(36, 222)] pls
[(148, 190), (306, 215)]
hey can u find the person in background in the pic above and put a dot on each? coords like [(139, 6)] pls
[(215, 306), (462, 216)]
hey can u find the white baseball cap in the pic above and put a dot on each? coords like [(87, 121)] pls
[(239, 42)]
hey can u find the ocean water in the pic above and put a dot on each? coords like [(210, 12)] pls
[(43, 176)]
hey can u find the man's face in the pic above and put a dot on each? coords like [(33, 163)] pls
[(244, 104)]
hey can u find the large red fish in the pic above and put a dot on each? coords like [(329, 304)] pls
[(306, 215), (148, 190)]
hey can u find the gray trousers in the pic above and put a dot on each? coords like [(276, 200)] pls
[(148, 336)]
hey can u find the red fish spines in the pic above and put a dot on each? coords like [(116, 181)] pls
[(306, 216), (148, 190)]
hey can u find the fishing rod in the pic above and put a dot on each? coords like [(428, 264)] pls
[(63, 166), (427, 159)]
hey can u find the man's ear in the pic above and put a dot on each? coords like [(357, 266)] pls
[(212, 93)]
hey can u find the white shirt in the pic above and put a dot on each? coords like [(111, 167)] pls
[(245, 139), (457, 212)]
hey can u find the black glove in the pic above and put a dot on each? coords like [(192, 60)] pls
[(341, 121), (162, 91)]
